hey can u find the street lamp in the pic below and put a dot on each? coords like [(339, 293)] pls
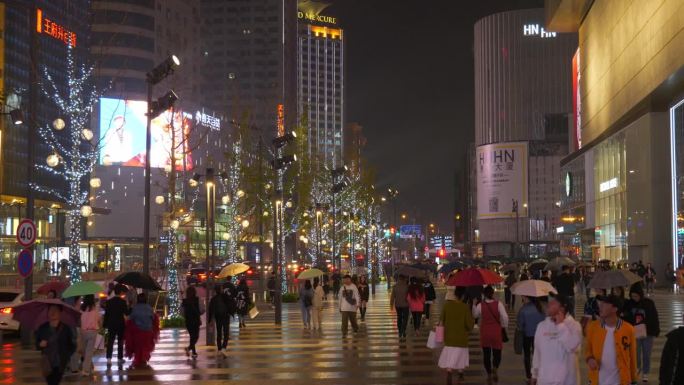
[(156, 75)]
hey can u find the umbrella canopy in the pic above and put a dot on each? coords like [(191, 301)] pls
[(558, 263), (494, 262), (32, 314), (539, 261), (310, 273), (82, 288), (510, 267), (232, 270), (138, 280), (410, 271), (57, 286), (533, 288), (613, 278), (424, 266), (451, 266), (474, 277), (538, 264)]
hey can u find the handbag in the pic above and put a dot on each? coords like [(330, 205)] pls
[(253, 312), (432, 342), (518, 341), (439, 333)]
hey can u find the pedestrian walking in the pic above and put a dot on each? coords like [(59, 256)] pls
[(493, 318), (508, 296), (142, 332), (400, 304), (649, 278), (116, 309), (565, 285), (242, 302), (610, 346), (192, 312), (220, 317), (55, 341), (349, 303), (306, 294), (672, 359), (326, 287), (91, 321), (671, 277), (529, 316), (317, 308), (641, 312), (457, 321), (364, 294), (416, 301), (430, 297), (556, 345), (336, 284)]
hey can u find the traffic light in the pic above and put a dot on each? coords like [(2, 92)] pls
[(441, 252), (393, 230)]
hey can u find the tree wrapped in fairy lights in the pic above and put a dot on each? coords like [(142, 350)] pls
[(73, 153)]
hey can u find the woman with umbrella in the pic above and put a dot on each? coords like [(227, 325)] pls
[(55, 341), (91, 321), (142, 332), (243, 301)]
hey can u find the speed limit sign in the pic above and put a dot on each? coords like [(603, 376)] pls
[(26, 233)]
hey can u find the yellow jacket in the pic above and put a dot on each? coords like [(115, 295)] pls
[(625, 350)]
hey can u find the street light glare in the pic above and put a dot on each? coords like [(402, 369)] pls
[(175, 60)]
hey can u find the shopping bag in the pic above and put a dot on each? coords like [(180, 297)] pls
[(99, 342), (253, 312), (439, 334), (431, 342)]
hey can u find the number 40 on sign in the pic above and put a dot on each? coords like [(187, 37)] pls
[(26, 233)]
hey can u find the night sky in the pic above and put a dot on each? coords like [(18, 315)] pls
[(410, 85)]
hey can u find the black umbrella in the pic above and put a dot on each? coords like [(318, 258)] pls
[(138, 280), (424, 266)]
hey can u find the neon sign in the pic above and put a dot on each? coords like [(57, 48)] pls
[(317, 18), (281, 120), (51, 28), (537, 30)]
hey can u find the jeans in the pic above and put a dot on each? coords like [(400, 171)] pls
[(75, 361), (362, 309), (644, 347), (193, 331), (528, 346), (402, 320), (88, 337), (416, 319), (487, 355), (222, 327), (649, 286), (349, 316), (306, 316), (115, 334)]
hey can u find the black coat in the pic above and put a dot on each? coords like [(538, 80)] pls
[(635, 311), (191, 312), (115, 310), (60, 346), (672, 360), (565, 284), (430, 294)]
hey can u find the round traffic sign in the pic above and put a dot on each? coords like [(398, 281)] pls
[(26, 232), (25, 263)]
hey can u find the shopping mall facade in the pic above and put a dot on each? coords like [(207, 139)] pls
[(621, 186)]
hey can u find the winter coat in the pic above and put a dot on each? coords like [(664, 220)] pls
[(115, 310), (191, 312), (555, 360), (625, 349), (399, 293), (60, 344), (640, 312), (672, 360), (430, 294)]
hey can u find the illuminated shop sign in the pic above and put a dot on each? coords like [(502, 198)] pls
[(51, 28), (608, 185), (317, 18), (208, 121), (281, 120), (537, 30)]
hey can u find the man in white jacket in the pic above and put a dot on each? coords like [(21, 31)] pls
[(556, 345), (349, 305)]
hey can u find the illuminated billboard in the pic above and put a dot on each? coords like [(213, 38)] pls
[(122, 135), (502, 180)]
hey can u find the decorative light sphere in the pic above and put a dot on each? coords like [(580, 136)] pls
[(323, 242), (267, 186), (159, 199), (226, 236), (95, 182), (58, 124), (87, 134), (174, 224), (265, 213), (240, 193), (52, 160), (167, 168), (288, 204), (107, 160), (225, 199), (245, 224), (86, 211)]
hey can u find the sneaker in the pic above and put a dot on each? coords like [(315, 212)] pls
[(644, 378), (225, 353), (194, 355)]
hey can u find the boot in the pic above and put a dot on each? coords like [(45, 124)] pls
[(449, 378)]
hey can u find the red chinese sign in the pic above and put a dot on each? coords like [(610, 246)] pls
[(281, 120), (51, 28)]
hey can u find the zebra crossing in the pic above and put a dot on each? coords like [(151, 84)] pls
[(264, 353)]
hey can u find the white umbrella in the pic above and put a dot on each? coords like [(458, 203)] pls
[(532, 288), (232, 270)]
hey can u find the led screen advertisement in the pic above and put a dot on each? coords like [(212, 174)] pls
[(502, 178), (122, 133)]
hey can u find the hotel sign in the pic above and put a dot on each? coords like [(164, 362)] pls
[(51, 28), (316, 18)]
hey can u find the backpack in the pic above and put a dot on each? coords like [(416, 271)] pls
[(349, 296), (231, 304)]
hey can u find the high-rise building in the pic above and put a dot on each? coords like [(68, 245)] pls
[(47, 28), (354, 143), (523, 107), (248, 64), (320, 82)]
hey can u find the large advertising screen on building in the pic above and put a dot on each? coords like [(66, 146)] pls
[(122, 133), (502, 177)]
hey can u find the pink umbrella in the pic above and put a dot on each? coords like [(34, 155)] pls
[(474, 277), (32, 314)]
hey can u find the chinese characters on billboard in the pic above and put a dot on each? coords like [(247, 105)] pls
[(501, 179), (122, 133)]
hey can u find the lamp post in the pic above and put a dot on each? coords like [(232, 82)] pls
[(153, 77), (319, 214)]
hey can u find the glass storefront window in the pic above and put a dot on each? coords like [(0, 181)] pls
[(676, 151)]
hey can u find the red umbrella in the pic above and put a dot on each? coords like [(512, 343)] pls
[(474, 277), (57, 286), (32, 314)]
